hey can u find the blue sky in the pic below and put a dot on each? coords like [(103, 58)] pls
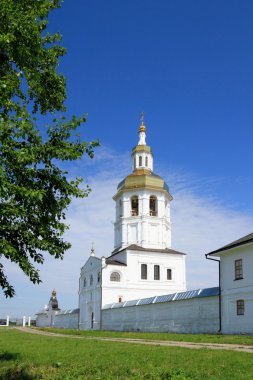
[(186, 64), (189, 66)]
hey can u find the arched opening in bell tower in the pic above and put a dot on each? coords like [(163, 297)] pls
[(134, 206), (153, 205)]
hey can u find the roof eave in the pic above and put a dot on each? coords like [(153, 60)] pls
[(227, 248)]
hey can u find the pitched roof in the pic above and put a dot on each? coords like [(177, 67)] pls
[(114, 262), (244, 240), (134, 247)]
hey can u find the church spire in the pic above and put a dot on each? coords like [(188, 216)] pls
[(142, 131)]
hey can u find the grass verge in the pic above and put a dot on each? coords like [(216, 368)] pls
[(29, 356), (196, 338)]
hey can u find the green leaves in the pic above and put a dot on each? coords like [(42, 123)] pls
[(26, 54), (34, 191)]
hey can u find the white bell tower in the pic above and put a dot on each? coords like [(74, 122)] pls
[(142, 203)]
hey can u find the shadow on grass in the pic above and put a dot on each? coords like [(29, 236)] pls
[(5, 356), (17, 373)]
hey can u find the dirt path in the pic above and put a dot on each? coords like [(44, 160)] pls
[(211, 346)]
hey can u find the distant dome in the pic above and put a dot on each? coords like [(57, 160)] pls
[(53, 300)]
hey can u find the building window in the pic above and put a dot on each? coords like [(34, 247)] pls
[(169, 274), (115, 276), (144, 271), (134, 206), (153, 205), (238, 269), (98, 278), (146, 161), (240, 307), (156, 272), (120, 299), (84, 282), (91, 280), (140, 160), (120, 208)]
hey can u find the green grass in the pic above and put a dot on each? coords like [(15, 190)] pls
[(197, 338), (28, 356)]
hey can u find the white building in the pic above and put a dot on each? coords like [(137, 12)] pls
[(53, 316), (142, 263), (141, 285), (236, 285)]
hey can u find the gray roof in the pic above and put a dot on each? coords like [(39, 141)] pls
[(71, 311), (244, 240), (115, 262), (43, 311), (135, 247), (199, 293)]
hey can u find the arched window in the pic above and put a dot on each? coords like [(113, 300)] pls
[(84, 282), (156, 272), (144, 271), (153, 205), (98, 278), (169, 274), (134, 206), (115, 276), (91, 280), (140, 160), (146, 161)]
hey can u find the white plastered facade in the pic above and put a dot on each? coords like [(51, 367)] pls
[(142, 263), (234, 290), (142, 244)]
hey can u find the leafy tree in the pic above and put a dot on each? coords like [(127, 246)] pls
[(34, 190)]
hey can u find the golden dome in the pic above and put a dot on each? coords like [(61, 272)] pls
[(143, 178)]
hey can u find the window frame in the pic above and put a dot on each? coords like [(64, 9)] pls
[(157, 273), (169, 271), (144, 271), (115, 277), (240, 307), (238, 269)]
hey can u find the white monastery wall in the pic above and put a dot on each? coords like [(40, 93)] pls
[(43, 320), (67, 319), (197, 315)]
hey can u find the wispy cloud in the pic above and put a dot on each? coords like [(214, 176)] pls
[(200, 223)]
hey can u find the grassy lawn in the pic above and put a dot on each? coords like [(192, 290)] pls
[(28, 356), (197, 338)]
